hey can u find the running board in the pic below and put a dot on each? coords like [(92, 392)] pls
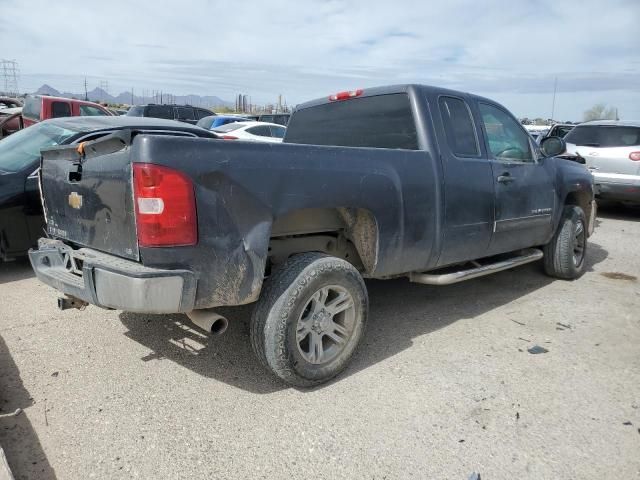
[(526, 256)]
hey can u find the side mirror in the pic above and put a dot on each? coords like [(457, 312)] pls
[(553, 146)]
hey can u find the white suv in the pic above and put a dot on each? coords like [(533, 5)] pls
[(611, 150)]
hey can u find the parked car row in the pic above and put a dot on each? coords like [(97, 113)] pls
[(251, 131), (182, 113), (50, 121), (611, 151), (37, 108), (10, 116)]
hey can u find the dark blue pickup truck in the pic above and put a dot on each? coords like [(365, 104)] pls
[(404, 181)]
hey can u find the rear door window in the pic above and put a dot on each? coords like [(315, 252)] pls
[(261, 131), (60, 109), (160, 111), (459, 127), (201, 113), (185, 113), (605, 136), (382, 121)]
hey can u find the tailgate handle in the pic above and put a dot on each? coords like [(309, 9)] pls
[(75, 172)]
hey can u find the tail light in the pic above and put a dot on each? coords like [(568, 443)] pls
[(635, 156), (165, 206), (346, 95), (229, 137)]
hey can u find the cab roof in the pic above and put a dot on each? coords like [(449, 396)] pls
[(391, 89)]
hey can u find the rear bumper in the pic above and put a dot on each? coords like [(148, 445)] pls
[(618, 191), (613, 186), (112, 282)]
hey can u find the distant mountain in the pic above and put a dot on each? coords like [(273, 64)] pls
[(47, 90), (99, 95)]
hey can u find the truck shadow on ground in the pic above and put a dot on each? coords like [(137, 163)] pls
[(618, 211), (399, 312), (17, 437), (19, 269)]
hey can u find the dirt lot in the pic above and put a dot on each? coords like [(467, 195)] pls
[(443, 386)]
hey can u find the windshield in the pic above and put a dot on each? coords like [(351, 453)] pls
[(23, 148), (136, 112), (206, 122), (604, 136), (220, 121), (229, 127)]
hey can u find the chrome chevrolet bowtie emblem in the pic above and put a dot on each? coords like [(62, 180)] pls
[(75, 200)]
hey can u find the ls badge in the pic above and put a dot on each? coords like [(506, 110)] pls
[(75, 200)]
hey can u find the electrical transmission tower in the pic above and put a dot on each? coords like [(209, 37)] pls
[(104, 86), (9, 72)]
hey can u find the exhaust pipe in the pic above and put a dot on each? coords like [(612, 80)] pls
[(209, 321), (67, 302)]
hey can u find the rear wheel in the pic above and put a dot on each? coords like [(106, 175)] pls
[(565, 254), (309, 319)]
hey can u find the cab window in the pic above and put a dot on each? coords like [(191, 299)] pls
[(506, 138), (60, 109)]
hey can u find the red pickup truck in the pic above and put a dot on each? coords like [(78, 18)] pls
[(41, 107)]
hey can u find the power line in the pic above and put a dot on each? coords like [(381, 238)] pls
[(104, 86)]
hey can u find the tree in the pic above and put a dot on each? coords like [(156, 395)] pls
[(600, 112), (223, 109)]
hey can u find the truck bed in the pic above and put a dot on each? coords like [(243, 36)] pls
[(241, 189)]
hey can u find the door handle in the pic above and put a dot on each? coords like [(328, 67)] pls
[(505, 178)]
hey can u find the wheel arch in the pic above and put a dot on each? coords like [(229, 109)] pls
[(344, 232), (582, 199)]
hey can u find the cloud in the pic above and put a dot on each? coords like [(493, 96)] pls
[(308, 48)]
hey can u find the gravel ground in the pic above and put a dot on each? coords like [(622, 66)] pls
[(443, 385)]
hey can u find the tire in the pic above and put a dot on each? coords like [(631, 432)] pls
[(565, 255), (309, 319)]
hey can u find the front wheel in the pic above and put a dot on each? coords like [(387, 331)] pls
[(309, 319), (565, 254)]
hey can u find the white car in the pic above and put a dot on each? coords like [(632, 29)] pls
[(253, 131), (611, 150)]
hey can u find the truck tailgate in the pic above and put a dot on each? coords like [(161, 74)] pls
[(87, 194)]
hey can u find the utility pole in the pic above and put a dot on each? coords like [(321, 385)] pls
[(86, 97), (553, 104), (132, 102)]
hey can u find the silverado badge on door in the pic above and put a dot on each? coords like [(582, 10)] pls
[(75, 200)]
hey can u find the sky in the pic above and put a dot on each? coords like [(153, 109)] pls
[(510, 51)]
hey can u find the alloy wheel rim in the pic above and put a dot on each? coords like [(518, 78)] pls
[(579, 242), (326, 324)]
